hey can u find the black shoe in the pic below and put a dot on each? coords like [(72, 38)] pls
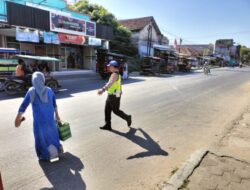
[(106, 127), (129, 121)]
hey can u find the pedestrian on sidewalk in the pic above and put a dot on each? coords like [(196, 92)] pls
[(44, 107), (114, 89)]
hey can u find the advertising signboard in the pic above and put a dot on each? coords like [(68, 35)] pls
[(90, 28), (224, 43), (50, 38), (95, 41), (71, 39), (69, 25), (26, 35)]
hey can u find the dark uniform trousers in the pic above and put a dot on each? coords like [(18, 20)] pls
[(113, 104)]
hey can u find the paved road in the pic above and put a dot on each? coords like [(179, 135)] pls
[(172, 117)]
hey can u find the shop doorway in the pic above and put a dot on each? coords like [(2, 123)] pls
[(72, 58)]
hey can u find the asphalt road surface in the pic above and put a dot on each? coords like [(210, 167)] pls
[(173, 116)]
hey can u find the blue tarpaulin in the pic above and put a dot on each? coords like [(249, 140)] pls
[(9, 50)]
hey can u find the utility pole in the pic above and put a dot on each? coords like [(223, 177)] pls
[(180, 45), (149, 40)]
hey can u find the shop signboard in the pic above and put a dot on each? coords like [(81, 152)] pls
[(68, 25), (224, 43), (90, 28), (50, 38), (95, 41), (27, 35), (71, 39), (105, 45)]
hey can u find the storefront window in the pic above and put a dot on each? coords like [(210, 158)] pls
[(72, 58), (40, 50), (12, 43), (63, 64)]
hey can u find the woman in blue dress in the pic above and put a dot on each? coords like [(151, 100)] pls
[(44, 108)]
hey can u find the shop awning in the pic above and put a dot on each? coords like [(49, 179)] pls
[(38, 58), (162, 47)]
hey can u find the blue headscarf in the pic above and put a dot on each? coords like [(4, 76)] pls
[(39, 88)]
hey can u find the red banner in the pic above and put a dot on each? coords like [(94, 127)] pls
[(71, 39)]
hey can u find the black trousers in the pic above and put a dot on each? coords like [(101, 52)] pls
[(113, 104)]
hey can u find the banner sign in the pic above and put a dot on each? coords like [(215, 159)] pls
[(26, 35), (226, 43), (50, 38), (90, 28), (71, 39), (95, 41), (105, 45), (69, 25)]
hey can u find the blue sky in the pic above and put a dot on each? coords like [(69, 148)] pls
[(196, 21)]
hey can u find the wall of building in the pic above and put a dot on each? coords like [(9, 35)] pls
[(85, 51), (27, 47), (54, 4), (89, 58), (140, 39)]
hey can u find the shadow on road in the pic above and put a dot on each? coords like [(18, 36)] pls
[(72, 86), (64, 174), (146, 142)]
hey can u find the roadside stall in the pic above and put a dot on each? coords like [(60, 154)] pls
[(16, 85), (103, 59), (183, 63), (8, 64), (151, 65), (169, 57)]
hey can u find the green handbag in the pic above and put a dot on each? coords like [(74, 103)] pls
[(64, 131)]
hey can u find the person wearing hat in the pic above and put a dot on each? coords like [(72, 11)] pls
[(114, 89)]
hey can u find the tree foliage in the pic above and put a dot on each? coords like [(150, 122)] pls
[(121, 42), (245, 55)]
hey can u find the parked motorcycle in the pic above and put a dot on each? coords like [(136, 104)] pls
[(206, 70), (21, 85), (2, 81)]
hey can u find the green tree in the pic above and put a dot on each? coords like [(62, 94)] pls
[(245, 55), (122, 41)]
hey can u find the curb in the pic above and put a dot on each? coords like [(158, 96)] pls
[(187, 168)]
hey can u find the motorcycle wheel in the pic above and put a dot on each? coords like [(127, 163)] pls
[(2, 85), (52, 84), (11, 88)]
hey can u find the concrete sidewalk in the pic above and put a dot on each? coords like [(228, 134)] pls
[(226, 167), (88, 74)]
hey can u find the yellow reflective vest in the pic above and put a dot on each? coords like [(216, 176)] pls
[(116, 87)]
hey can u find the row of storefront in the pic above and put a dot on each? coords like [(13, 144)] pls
[(43, 31)]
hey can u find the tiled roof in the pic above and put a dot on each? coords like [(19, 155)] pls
[(190, 51), (139, 23), (193, 50)]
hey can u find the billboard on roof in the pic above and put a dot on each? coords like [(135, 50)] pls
[(224, 43)]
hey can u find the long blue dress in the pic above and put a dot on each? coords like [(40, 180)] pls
[(44, 125)]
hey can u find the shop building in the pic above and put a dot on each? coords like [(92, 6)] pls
[(145, 34), (48, 28)]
